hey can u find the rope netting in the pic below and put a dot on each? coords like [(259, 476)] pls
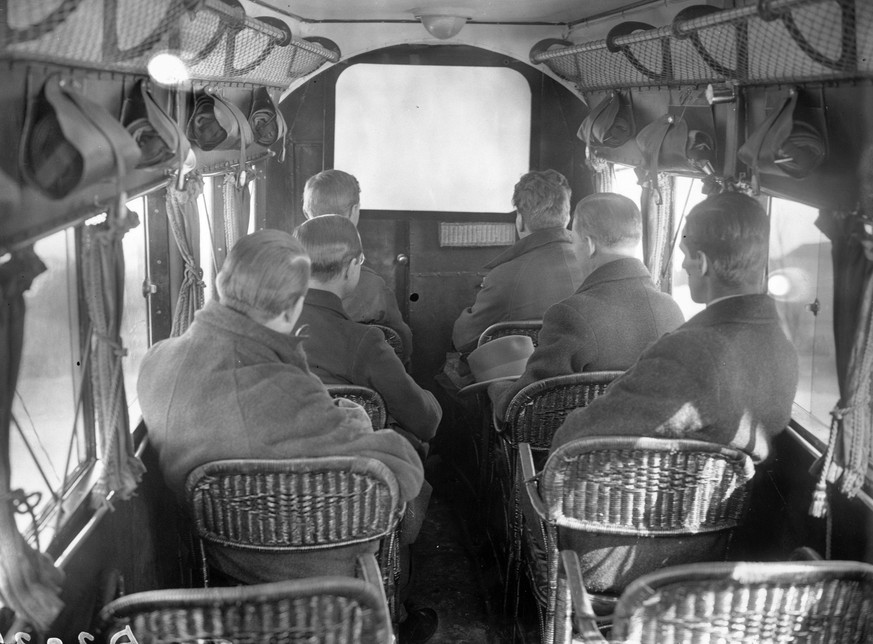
[(215, 41), (779, 40)]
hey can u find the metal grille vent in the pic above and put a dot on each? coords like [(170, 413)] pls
[(774, 41), (213, 37)]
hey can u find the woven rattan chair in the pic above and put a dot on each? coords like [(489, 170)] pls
[(629, 505), (329, 610), (392, 338), (826, 602), (370, 400), (532, 417), (530, 328), (299, 505)]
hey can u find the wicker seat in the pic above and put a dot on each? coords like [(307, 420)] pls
[(826, 602), (392, 338), (532, 417), (370, 400), (332, 610), (530, 328), (629, 505), (298, 505)]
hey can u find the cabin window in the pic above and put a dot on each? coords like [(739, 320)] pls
[(687, 193), (801, 282), (627, 184), (207, 250), (48, 437), (134, 321), (433, 138)]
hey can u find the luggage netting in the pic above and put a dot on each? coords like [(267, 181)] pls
[(771, 41), (215, 40)]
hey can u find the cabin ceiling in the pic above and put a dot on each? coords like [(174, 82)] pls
[(486, 11)]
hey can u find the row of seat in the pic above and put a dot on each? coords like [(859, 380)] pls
[(283, 506), (628, 507)]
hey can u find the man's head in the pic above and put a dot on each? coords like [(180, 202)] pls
[(541, 200), (332, 192), (334, 247), (608, 226), (265, 277), (725, 244)]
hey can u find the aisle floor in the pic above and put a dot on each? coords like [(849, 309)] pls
[(456, 571)]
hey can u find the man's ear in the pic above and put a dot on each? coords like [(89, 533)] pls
[(519, 223), (704, 262), (592, 245)]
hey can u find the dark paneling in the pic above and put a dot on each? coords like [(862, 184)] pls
[(140, 540), (159, 251)]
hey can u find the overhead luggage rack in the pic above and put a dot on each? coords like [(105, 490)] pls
[(770, 41), (213, 38)]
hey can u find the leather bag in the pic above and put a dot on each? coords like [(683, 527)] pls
[(159, 137), (784, 145), (265, 119), (669, 145), (609, 124), (71, 142), (217, 124)]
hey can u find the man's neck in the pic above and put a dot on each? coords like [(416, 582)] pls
[(719, 294), (605, 256), (332, 286)]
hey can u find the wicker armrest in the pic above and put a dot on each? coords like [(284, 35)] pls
[(529, 477), (368, 570), (584, 620)]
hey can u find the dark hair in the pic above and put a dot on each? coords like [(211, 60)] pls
[(732, 229), (609, 218), (264, 274), (542, 199), (331, 192), (330, 241)]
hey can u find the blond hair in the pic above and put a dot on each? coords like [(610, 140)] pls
[(264, 274)]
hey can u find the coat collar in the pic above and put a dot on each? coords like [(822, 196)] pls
[(325, 300), (217, 315), (748, 309), (534, 240), (619, 269)]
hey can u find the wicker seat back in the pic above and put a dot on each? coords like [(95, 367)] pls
[(530, 328), (536, 411), (294, 504), (392, 338), (370, 400), (632, 485), (826, 602), (335, 610)]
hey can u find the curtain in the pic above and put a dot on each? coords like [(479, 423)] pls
[(237, 208), (604, 174), (103, 277), (184, 217), (850, 447), (29, 582), (657, 210)]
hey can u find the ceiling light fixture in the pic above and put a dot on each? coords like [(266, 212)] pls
[(442, 26)]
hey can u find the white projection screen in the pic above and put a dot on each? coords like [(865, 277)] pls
[(432, 138)]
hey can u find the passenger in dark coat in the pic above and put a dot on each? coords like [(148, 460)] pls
[(615, 314), (729, 374), (236, 385), (334, 192), (540, 269), (342, 351)]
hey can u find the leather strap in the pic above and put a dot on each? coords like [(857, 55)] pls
[(72, 142), (265, 119), (159, 137), (217, 124)]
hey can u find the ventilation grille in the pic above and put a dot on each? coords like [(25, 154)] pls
[(783, 40), (215, 39)]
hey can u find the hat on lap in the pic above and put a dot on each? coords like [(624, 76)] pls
[(501, 359)]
